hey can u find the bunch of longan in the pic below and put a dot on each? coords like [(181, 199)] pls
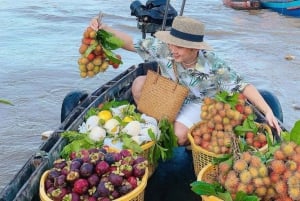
[(93, 59)]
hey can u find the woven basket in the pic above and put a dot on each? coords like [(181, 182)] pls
[(208, 173), (267, 128), (201, 157), (161, 97), (136, 194)]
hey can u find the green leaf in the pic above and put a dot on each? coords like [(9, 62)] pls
[(225, 97), (295, 133), (90, 49), (129, 143), (203, 188), (242, 196), (108, 40), (5, 102)]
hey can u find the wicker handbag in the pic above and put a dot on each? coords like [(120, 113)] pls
[(162, 97)]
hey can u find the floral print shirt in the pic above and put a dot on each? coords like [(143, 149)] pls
[(210, 75)]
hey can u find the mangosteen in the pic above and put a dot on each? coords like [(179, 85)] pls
[(75, 164), (93, 180), (71, 197), (59, 163), (105, 188), (48, 183), (65, 170), (95, 157), (53, 173), (58, 193), (117, 157), (93, 150), (115, 179), (124, 188), (72, 176), (60, 181), (139, 170), (115, 194), (86, 169), (81, 186), (102, 167), (125, 153), (126, 170), (103, 150), (109, 158), (139, 159)]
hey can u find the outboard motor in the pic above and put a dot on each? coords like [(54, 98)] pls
[(150, 16)]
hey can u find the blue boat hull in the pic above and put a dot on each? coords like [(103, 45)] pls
[(291, 8)]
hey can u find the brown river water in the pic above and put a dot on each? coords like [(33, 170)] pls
[(39, 43)]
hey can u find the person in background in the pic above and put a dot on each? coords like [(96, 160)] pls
[(198, 68)]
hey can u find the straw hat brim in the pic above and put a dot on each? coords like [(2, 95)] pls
[(166, 37)]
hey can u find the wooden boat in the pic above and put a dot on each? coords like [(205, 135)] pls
[(170, 181), (242, 4), (283, 7)]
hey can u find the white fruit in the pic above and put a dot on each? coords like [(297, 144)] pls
[(91, 122), (133, 128), (112, 126), (97, 133)]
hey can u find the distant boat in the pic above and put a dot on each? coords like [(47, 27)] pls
[(242, 4), (284, 7)]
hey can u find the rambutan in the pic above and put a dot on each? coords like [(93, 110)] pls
[(279, 155), (232, 181), (291, 165), (293, 182), (286, 175), (261, 191), (253, 171), (267, 181), (255, 162), (263, 171), (271, 194), (258, 182), (296, 158), (281, 188), (288, 148), (250, 188), (277, 166), (224, 167), (245, 177), (242, 187), (274, 177), (294, 193), (297, 149), (240, 165), (246, 156)]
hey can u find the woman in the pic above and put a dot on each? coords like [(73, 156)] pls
[(198, 68)]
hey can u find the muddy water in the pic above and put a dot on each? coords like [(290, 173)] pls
[(39, 43)]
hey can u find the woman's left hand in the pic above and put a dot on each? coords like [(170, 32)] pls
[(272, 121)]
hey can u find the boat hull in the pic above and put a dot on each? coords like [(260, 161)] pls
[(242, 4), (291, 8), (171, 180)]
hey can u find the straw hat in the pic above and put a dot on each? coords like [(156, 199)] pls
[(185, 32)]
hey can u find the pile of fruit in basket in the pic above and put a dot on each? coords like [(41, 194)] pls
[(96, 175), (117, 124), (273, 175), (96, 52), (219, 117), (224, 116)]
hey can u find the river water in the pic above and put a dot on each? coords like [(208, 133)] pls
[(39, 43)]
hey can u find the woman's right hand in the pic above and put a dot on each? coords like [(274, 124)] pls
[(94, 24)]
